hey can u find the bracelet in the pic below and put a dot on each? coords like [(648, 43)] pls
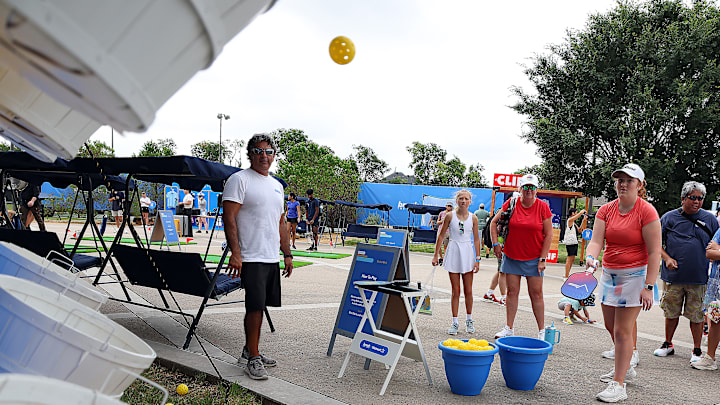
[(286, 255), (495, 244), (477, 261)]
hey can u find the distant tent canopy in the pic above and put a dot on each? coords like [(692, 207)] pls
[(424, 209)]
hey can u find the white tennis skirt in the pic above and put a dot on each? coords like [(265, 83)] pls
[(459, 257), (622, 287)]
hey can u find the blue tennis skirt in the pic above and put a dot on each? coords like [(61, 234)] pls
[(526, 268)]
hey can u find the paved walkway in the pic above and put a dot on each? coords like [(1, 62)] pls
[(310, 303)]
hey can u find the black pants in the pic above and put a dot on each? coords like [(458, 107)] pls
[(35, 209)]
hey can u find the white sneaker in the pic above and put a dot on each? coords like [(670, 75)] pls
[(610, 354), (505, 331), (705, 363), (453, 329), (469, 327), (694, 357), (667, 349), (541, 334), (629, 376), (635, 359), (613, 393)]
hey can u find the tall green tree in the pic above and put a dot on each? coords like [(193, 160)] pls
[(474, 177), (286, 139), (209, 150), (637, 84), (161, 147), (370, 166), (424, 159), (450, 173), (5, 147), (96, 149)]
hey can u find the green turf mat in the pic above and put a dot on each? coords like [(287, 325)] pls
[(322, 255), (132, 241), (216, 259)]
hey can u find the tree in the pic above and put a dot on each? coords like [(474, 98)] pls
[(208, 150), (637, 84), (286, 139), (305, 164), (450, 173), (98, 149), (161, 147), (370, 167), (424, 161), (474, 177), (5, 147)]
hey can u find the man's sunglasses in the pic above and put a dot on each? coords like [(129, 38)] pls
[(696, 197), (529, 187), (259, 151)]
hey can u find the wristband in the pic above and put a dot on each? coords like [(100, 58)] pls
[(495, 244), (286, 255)]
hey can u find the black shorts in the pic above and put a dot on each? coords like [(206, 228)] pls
[(292, 220), (571, 250), (261, 282), (145, 209)]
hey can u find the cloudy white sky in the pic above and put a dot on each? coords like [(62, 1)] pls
[(425, 70)]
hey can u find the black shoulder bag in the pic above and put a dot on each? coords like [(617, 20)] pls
[(696, 222)]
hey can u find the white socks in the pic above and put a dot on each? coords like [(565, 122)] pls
[(455, 319), (491, 292), (469, 317)]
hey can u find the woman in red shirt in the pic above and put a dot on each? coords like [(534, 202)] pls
[(630, 229), (523, 255)]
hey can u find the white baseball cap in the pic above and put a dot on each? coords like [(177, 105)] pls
[(632, 170), (529, 179)]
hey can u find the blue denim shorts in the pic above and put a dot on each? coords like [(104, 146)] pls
[(525, 268)]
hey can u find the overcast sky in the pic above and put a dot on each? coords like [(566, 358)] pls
[(424, 70)]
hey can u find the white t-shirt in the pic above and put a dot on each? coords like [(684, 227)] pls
[(188, 201), (145, 201), (258, 219)]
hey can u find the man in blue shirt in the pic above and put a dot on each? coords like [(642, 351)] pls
[(313, 217), (685, 233)]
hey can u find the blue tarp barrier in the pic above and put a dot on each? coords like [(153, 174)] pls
[(397, 195)]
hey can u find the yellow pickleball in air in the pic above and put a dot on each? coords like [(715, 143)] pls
[(342, 50)]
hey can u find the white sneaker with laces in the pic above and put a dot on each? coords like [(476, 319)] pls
[(695, 358), (635, 359), (469, 327), (705, 363), (505, 331), (613, 393), (629, 376), (610, 354), (453, 329)]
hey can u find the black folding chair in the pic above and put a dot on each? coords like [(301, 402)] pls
[(179, 272)]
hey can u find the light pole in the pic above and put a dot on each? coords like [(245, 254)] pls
[(221, 117)]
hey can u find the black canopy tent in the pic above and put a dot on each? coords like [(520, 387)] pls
[(22, 166), (422, 235), (342, 221)]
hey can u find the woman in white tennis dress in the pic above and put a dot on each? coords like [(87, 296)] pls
[(461, 262)]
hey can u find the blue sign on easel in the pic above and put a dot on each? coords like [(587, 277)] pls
[(370, 263), (165, 228), (587, 234)]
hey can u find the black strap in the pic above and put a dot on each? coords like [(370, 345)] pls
[(696, 222)]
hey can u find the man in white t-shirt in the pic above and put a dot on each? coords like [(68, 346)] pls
[(255, 229)]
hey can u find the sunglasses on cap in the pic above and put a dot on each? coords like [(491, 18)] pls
[(696, 197), (259, 151), (529, 187)]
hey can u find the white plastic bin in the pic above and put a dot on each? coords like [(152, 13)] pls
[(24, 389), (42, 126), (118, 61), (45, 333), (19, 262)]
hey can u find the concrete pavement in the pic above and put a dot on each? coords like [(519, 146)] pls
[(310, 303)]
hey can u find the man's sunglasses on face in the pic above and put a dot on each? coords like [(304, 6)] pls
[(259, 151), (529, 187), (696, 197)]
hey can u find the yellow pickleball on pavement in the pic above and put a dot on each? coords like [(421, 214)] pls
[(342, 50), (182, 389)]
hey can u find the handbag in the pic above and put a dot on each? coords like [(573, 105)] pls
[(503, 224), (570, 236)]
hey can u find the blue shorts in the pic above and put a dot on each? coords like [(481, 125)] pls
[(526, 268)]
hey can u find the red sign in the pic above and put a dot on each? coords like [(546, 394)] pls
[(506, 180), (552, 256)]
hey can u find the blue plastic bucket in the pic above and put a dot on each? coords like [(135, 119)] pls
[(467, 370), (522, 360)]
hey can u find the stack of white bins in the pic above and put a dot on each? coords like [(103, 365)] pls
[(22, 263), (116, 62), (45, 333), (23, 389)]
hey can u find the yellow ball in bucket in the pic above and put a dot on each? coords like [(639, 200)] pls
[(182, 389), (342, 50)]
